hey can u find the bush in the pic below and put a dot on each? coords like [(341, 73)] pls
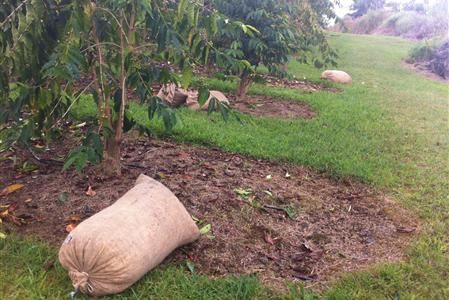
[(370, 22), (420, 53)]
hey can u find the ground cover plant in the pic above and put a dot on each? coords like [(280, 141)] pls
[(388, 130)]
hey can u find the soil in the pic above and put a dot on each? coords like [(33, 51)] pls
[(293, 223), (266, 106), (424, 71), (304, 85)]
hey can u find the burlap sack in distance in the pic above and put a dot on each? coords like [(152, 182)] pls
[(114, 248), (173, 95)]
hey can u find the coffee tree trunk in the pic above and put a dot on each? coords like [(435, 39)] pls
[(111, 158), (243, 85)]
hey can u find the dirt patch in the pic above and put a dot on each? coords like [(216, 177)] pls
[(304, 85), (422, 70), (266, 106), (280, 221)]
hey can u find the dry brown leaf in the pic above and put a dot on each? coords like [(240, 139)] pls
[(90, 192), (405, 229), (11, 189), (74, 218), (70, 227), (268, 238)]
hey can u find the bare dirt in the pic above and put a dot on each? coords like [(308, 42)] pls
[(266, 106), (279, 221), (422, 70), (305, 85)]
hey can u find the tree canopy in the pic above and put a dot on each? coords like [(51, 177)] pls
[(113, 46)]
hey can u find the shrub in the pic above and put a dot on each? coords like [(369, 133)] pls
[(420, 53), (370, 22)]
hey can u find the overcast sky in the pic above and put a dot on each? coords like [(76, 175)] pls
[(346, 4)]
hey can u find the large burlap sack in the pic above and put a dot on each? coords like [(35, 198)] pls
[(219, 96), (336, 76), (173, 95), (192, 100), (111, 250)]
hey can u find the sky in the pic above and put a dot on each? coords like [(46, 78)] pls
[(346, 4)]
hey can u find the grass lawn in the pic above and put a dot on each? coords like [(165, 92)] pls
[(388, 129)]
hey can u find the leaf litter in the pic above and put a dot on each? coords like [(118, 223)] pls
[(296, 227)]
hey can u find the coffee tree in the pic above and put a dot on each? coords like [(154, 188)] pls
[(274, 31), (47, 46)]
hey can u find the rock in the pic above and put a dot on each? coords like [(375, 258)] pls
[(336, 76)]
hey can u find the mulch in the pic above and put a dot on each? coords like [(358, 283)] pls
[(279, 221), (267, 106)]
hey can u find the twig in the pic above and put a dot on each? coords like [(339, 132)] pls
[(41, 160), (13, 12), (267, 206), (116, 20), (100, 44)]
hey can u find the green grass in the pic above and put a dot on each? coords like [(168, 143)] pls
[(388, 129), (30, 279)]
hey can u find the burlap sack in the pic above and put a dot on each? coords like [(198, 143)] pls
[(111, 250), (192, 100), (336, 76), (173, 95), (217, 95)]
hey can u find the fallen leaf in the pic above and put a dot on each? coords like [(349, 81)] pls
[(190, 266), (11, 189), (269, 177), (160, 175), (305, 277), (405, 229), (70, 227), (205, 229), (74, 218), (90, 192), (28, 200), (268, 193), (307, 246), (268, 238), (63, 197), (291, 212), (243, 193)]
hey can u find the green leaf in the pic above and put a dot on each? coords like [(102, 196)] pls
[(187, 76), (190, 266), (205, 229), (244, 193), (224, 109), (212, 105), (203, 95), (81, 161), (70, 159), (63, 197)]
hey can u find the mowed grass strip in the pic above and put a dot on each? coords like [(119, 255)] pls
[(389, 129)]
